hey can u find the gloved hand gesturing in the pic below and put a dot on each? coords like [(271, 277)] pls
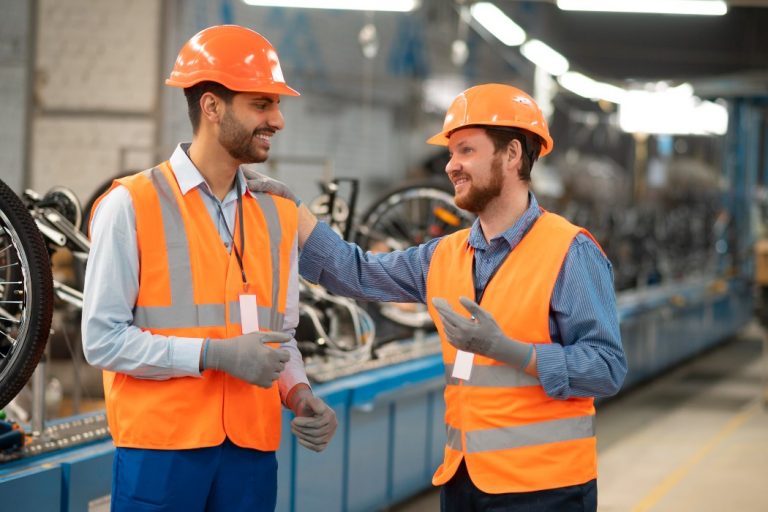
[(247, 358), (315, 422), (257, 182), (481, 334)]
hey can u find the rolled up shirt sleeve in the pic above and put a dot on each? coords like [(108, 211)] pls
[(586, 357)]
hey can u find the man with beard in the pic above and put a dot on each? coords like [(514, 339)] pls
[(524, 305), (191, 299)]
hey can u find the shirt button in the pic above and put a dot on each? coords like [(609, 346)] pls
[(226, 244)]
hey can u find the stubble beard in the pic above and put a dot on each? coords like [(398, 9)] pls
[(477, 198), (238, 141)]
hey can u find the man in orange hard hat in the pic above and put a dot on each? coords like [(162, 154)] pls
[(524, 305), (191, 299)]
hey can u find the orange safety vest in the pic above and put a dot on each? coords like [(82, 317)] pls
[(513, 437), (189, 286)]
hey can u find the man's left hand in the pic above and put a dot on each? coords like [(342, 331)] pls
[(315, 422), (480, 334)]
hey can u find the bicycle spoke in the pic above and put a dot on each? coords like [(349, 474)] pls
[(12, 340), (396, 226)]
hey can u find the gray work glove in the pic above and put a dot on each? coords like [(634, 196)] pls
[(481, 334), (257, 182), (315, 422), (247, 358)]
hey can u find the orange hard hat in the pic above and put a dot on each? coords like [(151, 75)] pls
[(495, 105), (236, 57)]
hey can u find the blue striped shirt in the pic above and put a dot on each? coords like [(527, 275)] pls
[(586, 358)]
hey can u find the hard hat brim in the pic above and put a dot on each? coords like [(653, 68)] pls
[(269, 88), (442, 139), (438, 140)]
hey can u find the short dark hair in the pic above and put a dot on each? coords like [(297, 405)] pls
[(196, 92), (531, 144)]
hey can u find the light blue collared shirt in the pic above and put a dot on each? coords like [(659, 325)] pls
[(110, 340)]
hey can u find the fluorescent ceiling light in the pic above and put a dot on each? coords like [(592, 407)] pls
[(591, 89), (658, 110), (671, 112), (355, 5), (544, 57), (497, 23), (702, 7)]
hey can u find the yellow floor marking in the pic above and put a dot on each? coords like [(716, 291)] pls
[(683, 469)]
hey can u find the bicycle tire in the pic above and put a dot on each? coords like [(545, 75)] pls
[(406, 216), (25, 324)]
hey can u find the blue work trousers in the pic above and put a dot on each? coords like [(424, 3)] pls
[(219, 478)]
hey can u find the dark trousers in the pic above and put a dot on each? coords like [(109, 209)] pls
[(460, 495)]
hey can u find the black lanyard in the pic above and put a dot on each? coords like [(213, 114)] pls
[(242, 229)]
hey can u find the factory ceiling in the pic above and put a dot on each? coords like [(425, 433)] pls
[(729, 50)]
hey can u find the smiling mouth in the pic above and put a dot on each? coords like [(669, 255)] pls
[(462, 180), (264, 138)]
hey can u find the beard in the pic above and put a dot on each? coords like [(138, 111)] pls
[(238, 141), (477, 198)]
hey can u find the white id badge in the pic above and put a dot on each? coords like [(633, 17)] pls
[(249, 313), (462, 367)]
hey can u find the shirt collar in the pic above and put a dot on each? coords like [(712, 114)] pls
[(189, 177), (512, 235)]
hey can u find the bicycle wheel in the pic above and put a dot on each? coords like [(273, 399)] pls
[(405, 217), (26, 295)]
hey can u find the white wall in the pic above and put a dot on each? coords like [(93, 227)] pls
[(14, 58), (96, 91)]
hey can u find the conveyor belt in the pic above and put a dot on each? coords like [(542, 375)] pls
[(61, 435)]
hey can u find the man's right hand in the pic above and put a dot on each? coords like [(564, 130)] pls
[(247, 358)]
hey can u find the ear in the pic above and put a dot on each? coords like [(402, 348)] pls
[(514, 153), (211, 107)]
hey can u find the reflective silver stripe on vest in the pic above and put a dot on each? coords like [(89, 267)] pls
[(179, 315), (544, 432), (453, 436), (176, 242), (265, 315), (183, 312), (269, 209), (493, 376)]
